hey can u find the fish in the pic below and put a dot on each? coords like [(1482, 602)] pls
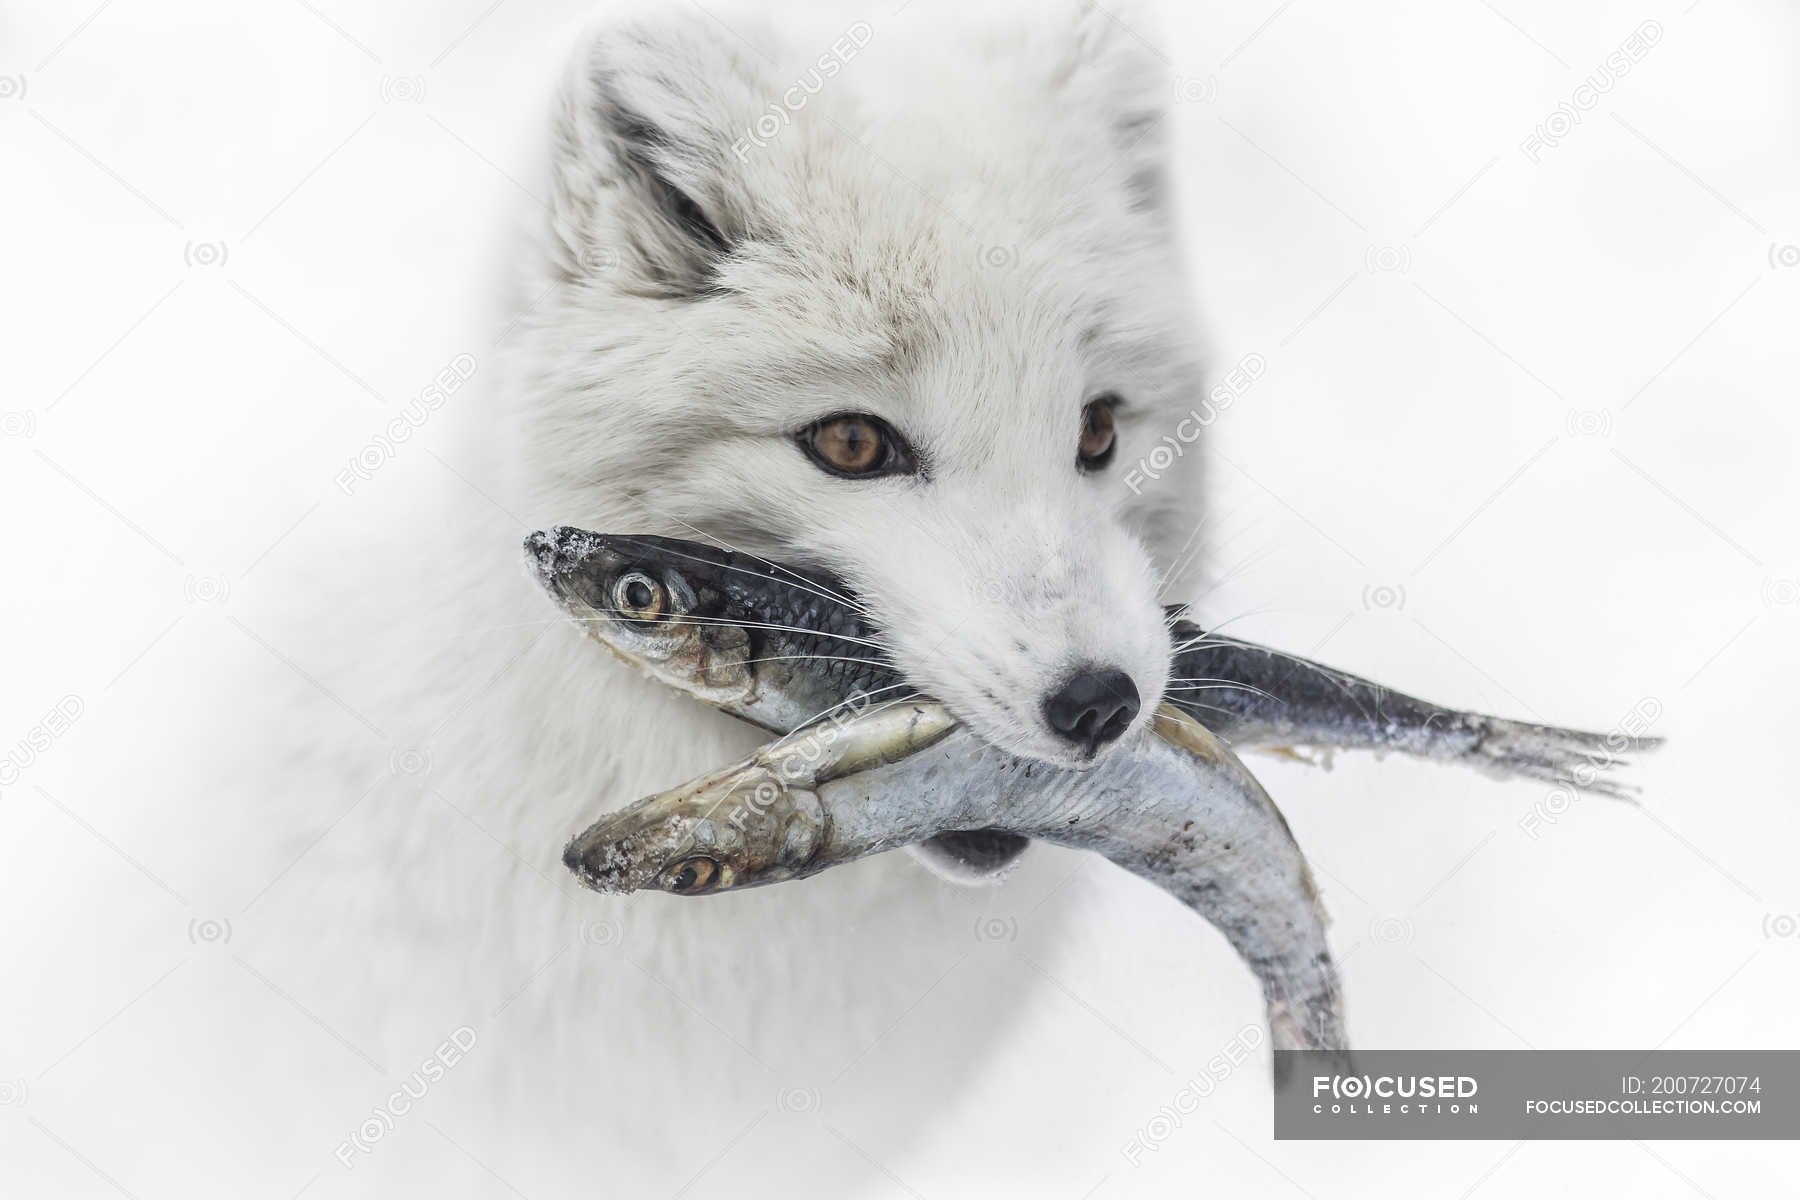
[(1173, 805), (801, 644), (1271, 701)]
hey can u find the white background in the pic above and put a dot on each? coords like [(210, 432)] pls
[(1526, 443)]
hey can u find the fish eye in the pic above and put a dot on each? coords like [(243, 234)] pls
[(1099, 436), (637, 597), (857, 446), (690, 876)]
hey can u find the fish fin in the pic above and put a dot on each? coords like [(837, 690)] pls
[(1572, 758), (1323, 757)]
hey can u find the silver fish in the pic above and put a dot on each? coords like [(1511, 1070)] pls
[(812, 638), (783, 645), (1174, 805)]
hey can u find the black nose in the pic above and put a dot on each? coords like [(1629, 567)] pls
[(1093, 707)]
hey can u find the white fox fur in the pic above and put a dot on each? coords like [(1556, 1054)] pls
[(961, 232)]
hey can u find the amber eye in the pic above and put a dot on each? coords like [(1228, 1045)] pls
[(690, 875), (638, 597), (858, 446), (1097, 434)]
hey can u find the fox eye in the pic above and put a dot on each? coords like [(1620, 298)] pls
[(857, 446), (1098, 437)]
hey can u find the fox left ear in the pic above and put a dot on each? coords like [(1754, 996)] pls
[(646, 189), (1109, 69)]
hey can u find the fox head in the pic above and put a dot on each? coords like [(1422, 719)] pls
[(905, 306)]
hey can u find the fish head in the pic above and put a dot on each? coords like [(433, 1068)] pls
[(741, 827), (659, 608)]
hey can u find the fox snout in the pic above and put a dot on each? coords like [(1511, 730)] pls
[(1042, 651), (1093, 707)]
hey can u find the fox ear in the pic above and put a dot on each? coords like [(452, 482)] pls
[(1110, 70), (642, 180)]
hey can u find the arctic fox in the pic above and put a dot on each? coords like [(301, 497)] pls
[(898, 303)]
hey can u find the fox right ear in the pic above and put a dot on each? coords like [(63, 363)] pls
[(643, 181)]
